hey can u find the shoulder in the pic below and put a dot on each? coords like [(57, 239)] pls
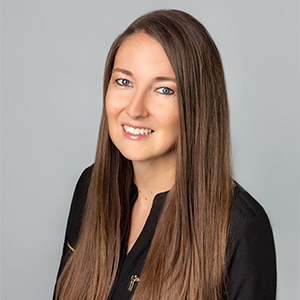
[(81, 190), (78, 205), (85, 178), (245, 208), (248, 219), (251, 259)]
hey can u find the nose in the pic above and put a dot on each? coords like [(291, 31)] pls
[(137, 107)]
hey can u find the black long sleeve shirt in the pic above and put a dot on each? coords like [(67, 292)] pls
[(251, 257)]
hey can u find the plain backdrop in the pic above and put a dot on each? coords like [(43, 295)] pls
[(53, 55)]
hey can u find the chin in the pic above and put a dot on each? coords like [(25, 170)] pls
[(133, 158)]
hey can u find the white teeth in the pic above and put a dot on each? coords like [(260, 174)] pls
[(136, 131), (131, 130)]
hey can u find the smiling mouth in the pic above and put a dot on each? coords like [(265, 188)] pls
[(137, 131)]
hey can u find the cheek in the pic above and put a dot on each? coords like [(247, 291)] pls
[(113, 105), (111, 108), (170, 119), (174, 127)]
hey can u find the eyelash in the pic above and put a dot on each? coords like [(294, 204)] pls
[(162, 90), (121, 81)]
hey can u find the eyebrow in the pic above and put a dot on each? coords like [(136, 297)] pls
[(126, 72), (164, 78), (159, 78)]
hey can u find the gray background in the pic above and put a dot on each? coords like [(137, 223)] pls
[(53, 55)]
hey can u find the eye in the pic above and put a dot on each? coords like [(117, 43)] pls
[(123, 82), (165, 91)]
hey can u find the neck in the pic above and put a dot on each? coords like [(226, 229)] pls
[(155, 177)]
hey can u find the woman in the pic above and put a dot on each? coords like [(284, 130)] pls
[(158, 215)]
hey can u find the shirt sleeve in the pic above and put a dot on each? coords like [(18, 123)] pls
[(75, 216), (252, 260)]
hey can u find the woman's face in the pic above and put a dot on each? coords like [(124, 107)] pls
[(141, 101)]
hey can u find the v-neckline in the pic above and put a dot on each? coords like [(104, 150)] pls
[(146, 231), (146, 234)]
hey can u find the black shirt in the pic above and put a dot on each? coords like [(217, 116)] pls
[(251, 257)]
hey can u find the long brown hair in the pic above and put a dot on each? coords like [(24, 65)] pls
[(187, 257)]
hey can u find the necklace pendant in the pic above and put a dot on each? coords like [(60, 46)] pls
[(133, 280)]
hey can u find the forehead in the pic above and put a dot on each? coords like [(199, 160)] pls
[(141, 51)]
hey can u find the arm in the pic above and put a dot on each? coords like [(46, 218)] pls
[(251, 253), (75, 216)]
